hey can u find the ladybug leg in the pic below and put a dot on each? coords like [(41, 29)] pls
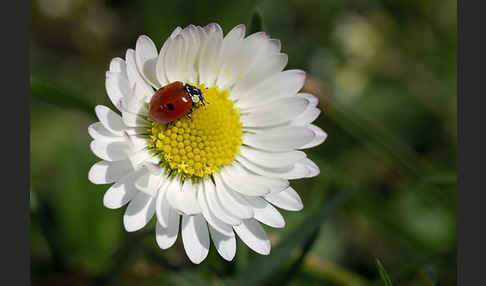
[(201, 99), (188, 114), (169, 124)]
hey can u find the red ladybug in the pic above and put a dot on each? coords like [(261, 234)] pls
[(173, 101)]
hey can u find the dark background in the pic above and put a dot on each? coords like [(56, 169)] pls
[(385, 73)]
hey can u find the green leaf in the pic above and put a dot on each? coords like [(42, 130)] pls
[(60, 97), (384, 275), (256, 22), (262, 267)]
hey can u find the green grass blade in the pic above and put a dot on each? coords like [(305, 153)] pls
[(262, 267), (376, 137), (256, 22), (60, 97), (384, 275), (297, 264)]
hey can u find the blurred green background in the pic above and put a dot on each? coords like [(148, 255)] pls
[(385, 73)]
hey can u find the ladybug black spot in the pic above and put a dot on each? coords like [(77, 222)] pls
[(170, 106)]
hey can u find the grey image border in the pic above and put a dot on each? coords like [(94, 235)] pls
[(471, 101), (15, 28)]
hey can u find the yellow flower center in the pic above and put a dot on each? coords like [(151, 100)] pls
[(200, 146)]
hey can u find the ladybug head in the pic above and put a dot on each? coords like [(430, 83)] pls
[(194, 93)]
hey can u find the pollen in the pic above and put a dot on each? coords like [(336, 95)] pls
[(199, 146)]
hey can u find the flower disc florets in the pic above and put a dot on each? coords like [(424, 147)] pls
[(200, 145)]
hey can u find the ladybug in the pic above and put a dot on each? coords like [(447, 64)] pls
[(173, 101)]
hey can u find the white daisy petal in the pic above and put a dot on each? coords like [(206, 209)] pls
[(241, 181), (238, 32), (271, 184), (191, 45), (134, 76), (310, 113), (118, 65), (253, 55), (209, 60), (98, 132), (111, 151), (213, 28), (295, 171), (183, 197), (117, 87), (216, 207), (167, 236), (253, 235), (162, 206), (146, 58), (160, 65), (202, 36), (133, 119), (280, 85), (195, 237), (104, 172), (275, 112), (121, 192), (225, 245), (276, 184), (280, 138), (176, 31), (110, 119), (271, 159), (232, 202), (266, 213), (287, 200), (233, 62), (313, 100), (139, 97), (138, 158), (319, 137), (274, 45), (134, 108), (174, 59), (136, 142), (307, 117), (189, 197), (139, 212), (265, 69), (155, 169), (312, 168), (219, 225), (149, 183)]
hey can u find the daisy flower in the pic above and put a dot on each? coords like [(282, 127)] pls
[(219, 171)]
